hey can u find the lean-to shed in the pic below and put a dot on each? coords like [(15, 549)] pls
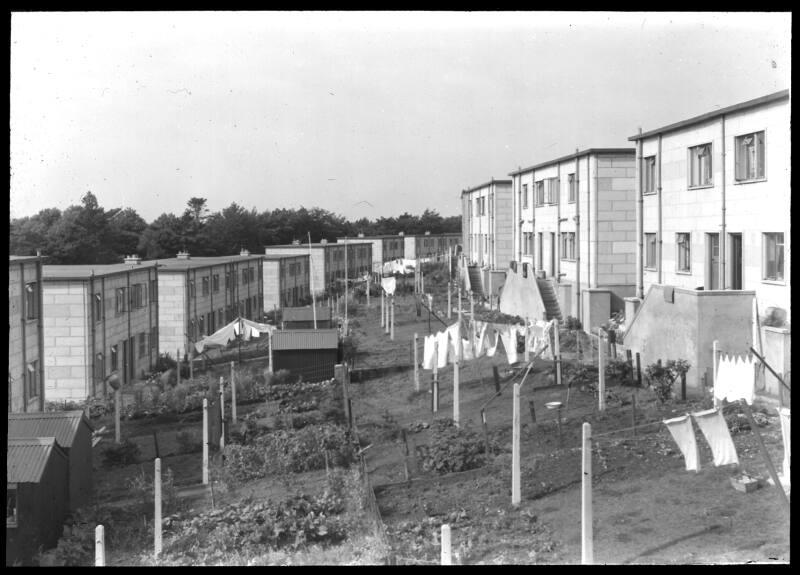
[(303, 317), (310, 353), (37, 493), (73, 431)]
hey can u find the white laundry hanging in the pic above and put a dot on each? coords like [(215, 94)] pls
[(682, 432), (428, 353), (718, 436)]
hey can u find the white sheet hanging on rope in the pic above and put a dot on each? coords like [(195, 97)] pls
[(389, 285)]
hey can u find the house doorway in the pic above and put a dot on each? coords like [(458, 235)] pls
[(712, 259), (735, 242)]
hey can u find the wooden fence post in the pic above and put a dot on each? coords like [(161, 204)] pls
[(416, 364), (157, 511), (117, 413), (205, 441), (515, 464), (449, 302), (391, 333), (222, 418), (638, 370), (714, 349), (435, 382), (446, 557), (99, 546), (601, 371), (191, 365), (269, 343), (178, 364), (383, 307), (556, 327), (587, 550)]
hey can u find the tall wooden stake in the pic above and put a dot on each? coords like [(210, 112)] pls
[(449, 304), (222, 418), (557, 329), (416, 364), (117, 412), (191, 365), (587, 543), (601, 371), (99, 546), (391, 332), (515, 463), (446, 558), (157, 514), (178, 364), (205, 441), (763, 448), (383, 307), (435, 383), (714, 350), (270, 369)]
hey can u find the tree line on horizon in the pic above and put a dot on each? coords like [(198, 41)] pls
[(90, 234)]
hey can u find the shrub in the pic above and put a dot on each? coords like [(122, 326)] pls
[(572, 323), (661, 378), (619, 370), (123, 453), (452, 448), (189, 441)]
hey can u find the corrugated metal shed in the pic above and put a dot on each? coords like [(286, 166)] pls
[(305, 313), (293, 339), (63, 425), (27, 458)]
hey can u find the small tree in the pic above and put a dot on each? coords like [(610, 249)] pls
[(661, 378)]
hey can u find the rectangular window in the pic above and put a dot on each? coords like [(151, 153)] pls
[(31, 300), (245, 277), (121, 300), (650, 251), (684, 256), (98, 307), (526, 243), (153, 337), (568, 245), (153, 291), (524, 195), (205, 286), (201, 322), (142, 345), (252, 274), (33, 379), (773, 256), (700, 166), (573, 190), (137, 296), (215, 283), (491, 201), (552, 191), (227, 281), (539, 192), (750, 157), (220, 317), (11, 505), (99, 367), (649, 175), (114, 357), (192, 292)]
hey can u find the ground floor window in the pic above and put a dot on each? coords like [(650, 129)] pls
[(11, 505), (568, 245), (773, 256), (33, 379), (650, 251), (684, 256)]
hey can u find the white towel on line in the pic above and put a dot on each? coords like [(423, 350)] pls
[(682, 432), (428, 353), (718, 436)]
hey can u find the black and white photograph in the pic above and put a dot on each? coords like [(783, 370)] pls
[(399, 287)]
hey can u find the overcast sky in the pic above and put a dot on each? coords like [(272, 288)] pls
[(363, 114)]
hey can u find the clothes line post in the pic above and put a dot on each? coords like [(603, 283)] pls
[(587, 550), (416, 364), (205, 441), (515, 463)]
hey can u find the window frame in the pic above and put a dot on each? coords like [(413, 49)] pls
[(120, 300), (572, 188), (654, 264), (215, 283), (688, 256), (690, 172), (114, 357), (568, 240), (552, 191), (649, 173), (765, 261), (32, 383), (539, 193), (762, 158), (97, 303), (525, 203), (32, 310), (11, 490), (142, 344), (205, 285)]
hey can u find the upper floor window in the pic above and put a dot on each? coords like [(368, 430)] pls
[(684, 245), (551, 196), (773, 256), (153, 292), (700, 166), (121, 300), (114, 357), (527, 243), (649, 175), (245, 276), (137, 296), (205, 285), (650, 251), (524, 195), (227, 281), (98, 307), (215, 283), (33, 379), (11, 505), (31, 300), (750, 157), (491, 201), (539, 191), (572, 193)]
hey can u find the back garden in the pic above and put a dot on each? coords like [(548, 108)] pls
[(295, 484)]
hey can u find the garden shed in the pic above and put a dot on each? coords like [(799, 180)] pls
[(303, 317), (310, 353), (37, 493), (73, 432)]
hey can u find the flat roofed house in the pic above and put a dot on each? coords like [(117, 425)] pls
[(199, 295), (487, 226), (286, 281), (73, 432), (385, 248), (574, 229), (37, 496), (25, 346), (98, 320), (331, 263), (430, 246)]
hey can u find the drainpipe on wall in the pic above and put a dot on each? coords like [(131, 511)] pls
[(660, 218), (722, 242), (532, 204), (588, 223), (24, 333), (518, 218), (130, 351), (639, 221), (92, 320), (596, 219), (577, 237), (557, 247)]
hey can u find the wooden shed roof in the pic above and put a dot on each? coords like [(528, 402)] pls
[(63, 425), (302, 339), (27, 457)]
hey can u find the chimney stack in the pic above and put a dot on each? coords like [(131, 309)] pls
[(183, 255), (323, 241), (133, 260), (244, 252)]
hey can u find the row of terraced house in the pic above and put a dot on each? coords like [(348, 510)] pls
[(73, 326), (695, 214)]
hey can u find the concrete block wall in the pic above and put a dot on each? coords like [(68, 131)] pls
[(272, 285), (23, 336), (172, 297), (752, 208), (488, 238), (66, 312)]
